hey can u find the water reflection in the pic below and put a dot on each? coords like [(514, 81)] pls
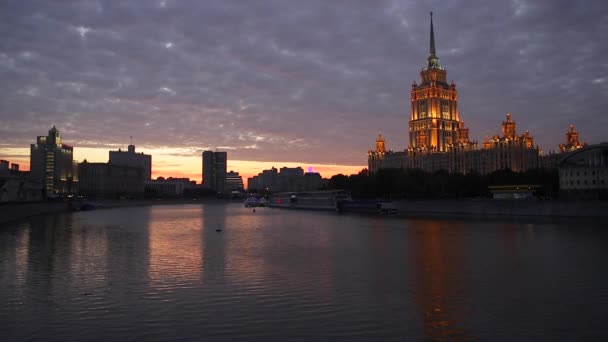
[(212, 247), (262, 249), (436, 257), (165, 273), (14, 256), (175, 249)]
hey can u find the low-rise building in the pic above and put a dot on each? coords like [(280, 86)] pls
[(288, 179), (584, 173), (133, 159), (17, 186), (170, 187), (107, 180), (234, 182)]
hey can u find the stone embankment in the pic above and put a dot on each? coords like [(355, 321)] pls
[(20, 210), (502, 208), (475, 208)]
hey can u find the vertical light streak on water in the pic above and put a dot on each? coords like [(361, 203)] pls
[(175, 247), (436, 254)]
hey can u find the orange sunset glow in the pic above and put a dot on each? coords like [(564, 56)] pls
[(165, 163)]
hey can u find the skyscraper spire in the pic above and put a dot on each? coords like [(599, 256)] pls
[(432, 37), (433, 61)]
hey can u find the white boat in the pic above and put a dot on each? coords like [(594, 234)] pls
[(253, 201)]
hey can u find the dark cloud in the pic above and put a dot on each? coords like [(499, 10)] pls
[(310, 81)]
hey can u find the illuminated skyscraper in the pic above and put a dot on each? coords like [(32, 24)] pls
[(439, 140), (435, 125), (52, 163)]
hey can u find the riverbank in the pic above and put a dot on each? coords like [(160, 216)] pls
[(454, 208), (489, 208)]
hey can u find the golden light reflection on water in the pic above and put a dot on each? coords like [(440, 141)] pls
[(175, 247), (249, 237), (436, 262)]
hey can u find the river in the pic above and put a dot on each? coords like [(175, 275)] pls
[(221, 272)]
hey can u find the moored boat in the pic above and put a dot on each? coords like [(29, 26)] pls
[(253, 201), (368, 206), (314, 200), (334, 200)]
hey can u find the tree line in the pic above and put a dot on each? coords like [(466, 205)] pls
[(416, 183)]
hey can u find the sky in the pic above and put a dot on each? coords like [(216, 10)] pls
[(289, 83)]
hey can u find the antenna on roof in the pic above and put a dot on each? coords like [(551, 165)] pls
[(131, 139)]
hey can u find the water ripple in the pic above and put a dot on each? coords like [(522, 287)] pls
[(163, 273)]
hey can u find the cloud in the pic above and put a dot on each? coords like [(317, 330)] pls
[(310, 81)]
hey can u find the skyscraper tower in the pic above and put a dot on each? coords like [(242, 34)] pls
[(52, 163), (214, 170), (435, 125)]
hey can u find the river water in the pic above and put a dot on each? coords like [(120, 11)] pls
[(164, 273)]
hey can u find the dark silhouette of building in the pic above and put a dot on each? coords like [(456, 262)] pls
[(215, 165), (171, 187), (132, 159), (110, 181), (16, 186), (288, 179), (234, 181)]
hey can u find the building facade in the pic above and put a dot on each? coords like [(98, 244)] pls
[(234, 182), (52, 164), (132, 159), (215, 165), (288, 179), (265, 180), (381, 158), (509, 151), (504, 151), (439, 140), (435, 124), (583, 173), (17, 186), (106, 180), (572, 142), (552, 159), (170, 187)]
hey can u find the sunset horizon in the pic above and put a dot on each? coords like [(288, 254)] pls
[(301, 84)]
